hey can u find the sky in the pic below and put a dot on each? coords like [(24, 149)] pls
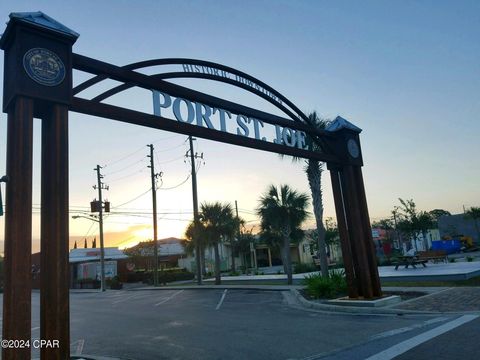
[(406, 72)]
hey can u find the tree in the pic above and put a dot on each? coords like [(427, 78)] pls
[(233, 235), (216, 219), (385, 224), (474, 214), (314, 169), (282, 211), (190, 246), (243, 243), (85, 244), (332, 235), (436, 213), (75, 245), (413, 222), (424, 223)]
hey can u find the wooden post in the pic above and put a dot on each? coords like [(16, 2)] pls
[(38, 82), (370, 248), (356, 230), (352, 281), (54, 295), (18, 228)]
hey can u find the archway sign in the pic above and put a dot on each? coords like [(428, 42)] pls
[(38, 83)]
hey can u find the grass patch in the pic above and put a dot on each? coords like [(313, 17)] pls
[(319, 287)]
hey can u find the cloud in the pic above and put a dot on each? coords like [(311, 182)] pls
[(125, 238)]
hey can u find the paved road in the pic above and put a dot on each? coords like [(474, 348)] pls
[(238, 324)]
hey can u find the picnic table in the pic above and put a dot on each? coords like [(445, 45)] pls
[(409, 260)]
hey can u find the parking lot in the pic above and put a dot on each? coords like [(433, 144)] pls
[(215, 324), (225, 324)]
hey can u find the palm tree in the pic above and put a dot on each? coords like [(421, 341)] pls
[(474, 214), (314, 170), (216, 219), (233, 236), (282, 211), (191, 244)]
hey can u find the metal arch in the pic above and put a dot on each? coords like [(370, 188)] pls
[(176, 75), (180, 61)]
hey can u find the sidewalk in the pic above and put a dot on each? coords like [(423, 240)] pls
[(455, 299)]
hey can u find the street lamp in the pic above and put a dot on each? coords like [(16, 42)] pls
[(102, 250)]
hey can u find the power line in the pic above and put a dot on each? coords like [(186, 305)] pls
[(169, 161), (167, 138), (123, 157), (176, 186), (135, 198), (125, 167), (128, 155), (172, 148), (127, 176)]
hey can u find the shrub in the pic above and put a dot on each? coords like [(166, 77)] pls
[(452, 260), (166, 276), (469, 258), (115, 283), (301, 268), (329, 287)]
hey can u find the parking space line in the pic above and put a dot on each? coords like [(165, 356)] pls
[(221, 299), (169, 298), (408, 328), (126, 298), (409, 344)]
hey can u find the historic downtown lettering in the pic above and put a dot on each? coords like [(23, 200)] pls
[(214, 118), (213, 71)]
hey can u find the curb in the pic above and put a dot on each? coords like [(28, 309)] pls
[(366, 310)]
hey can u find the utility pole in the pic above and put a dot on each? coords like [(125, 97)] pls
[(195, 212), (101, 186), (154, 205), (238, 234)]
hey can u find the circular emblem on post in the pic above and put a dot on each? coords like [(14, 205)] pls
[(353, 149), (44, 66)]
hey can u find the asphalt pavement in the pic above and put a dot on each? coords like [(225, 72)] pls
[(258, 322), (265, 322)]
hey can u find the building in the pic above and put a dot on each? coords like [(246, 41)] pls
[(261, 255), (458, 225), (170, 251), (85, 263)]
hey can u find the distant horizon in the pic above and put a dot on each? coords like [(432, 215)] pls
[(80, 240)]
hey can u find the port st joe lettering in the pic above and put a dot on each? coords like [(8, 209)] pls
[(214, 118)]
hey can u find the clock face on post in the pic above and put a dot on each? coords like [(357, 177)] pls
[(353, 148)]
